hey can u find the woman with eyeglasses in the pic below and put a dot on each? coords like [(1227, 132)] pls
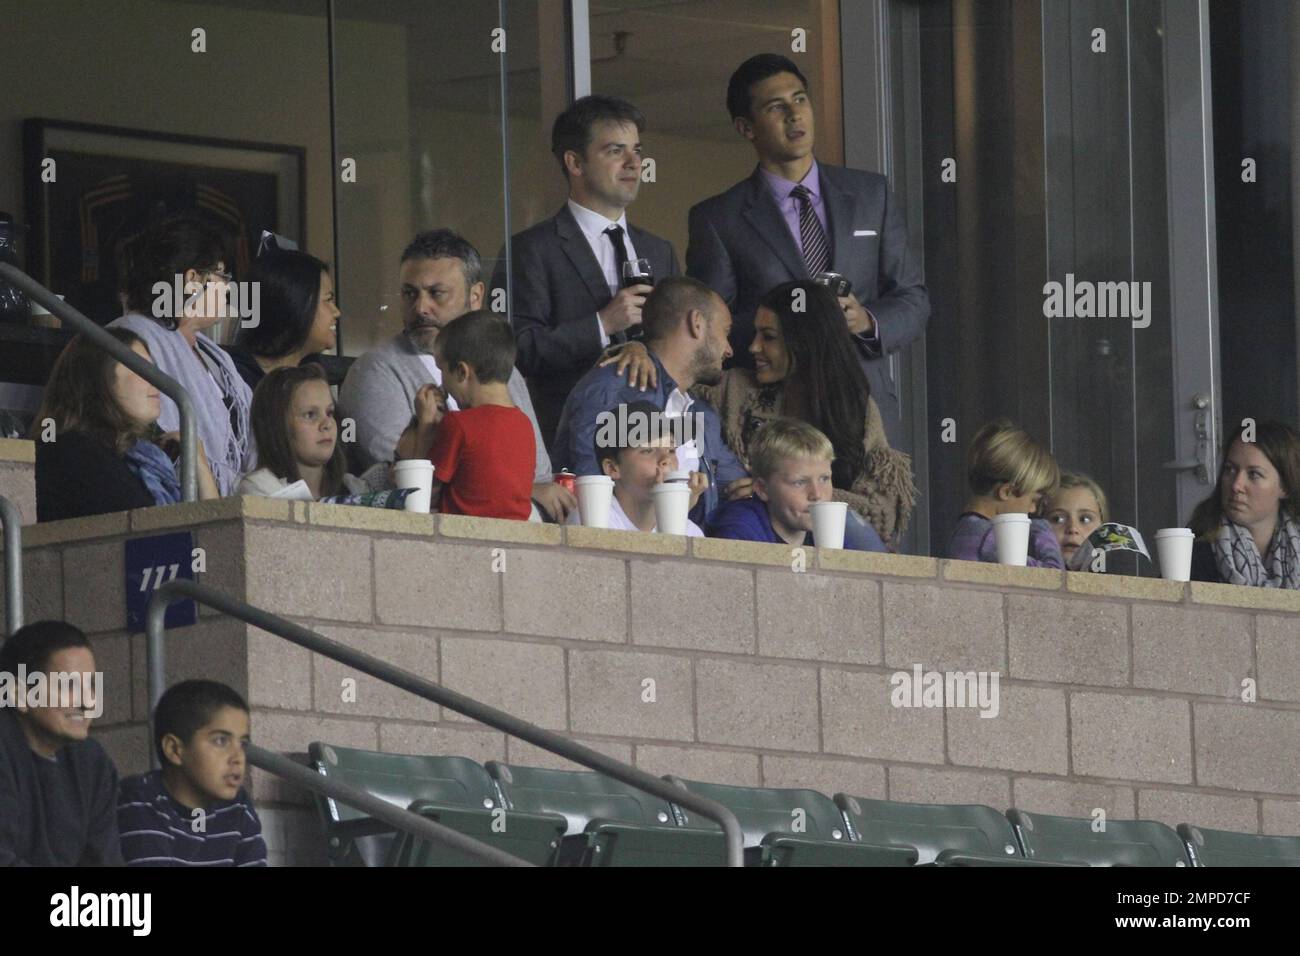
[(297, 317), (175, 286)]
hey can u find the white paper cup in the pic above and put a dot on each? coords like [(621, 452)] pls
[(594, 495), (415, 473), (672, 504), (1011, 534), (1174, 549), (828, 523)]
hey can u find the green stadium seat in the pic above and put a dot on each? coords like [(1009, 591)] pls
[(455, 791), (790, 827), (609, 823), (1072, 840), (1226, 848), (964, 835)]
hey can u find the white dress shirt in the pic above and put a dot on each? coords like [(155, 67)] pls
[(593, 226)]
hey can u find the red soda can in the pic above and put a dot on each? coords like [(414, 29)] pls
[(567, 479)]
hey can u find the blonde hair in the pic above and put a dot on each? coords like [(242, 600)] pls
[(785, 438), (1002, 451), (1071, 479)]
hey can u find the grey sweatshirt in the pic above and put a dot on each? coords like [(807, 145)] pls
[(379, 393)]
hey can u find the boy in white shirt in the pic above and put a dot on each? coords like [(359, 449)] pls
[(637, 466)]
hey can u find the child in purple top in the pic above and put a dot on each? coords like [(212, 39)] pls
[(1009, 473)]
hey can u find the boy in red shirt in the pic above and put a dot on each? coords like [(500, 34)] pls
[(483, 455)]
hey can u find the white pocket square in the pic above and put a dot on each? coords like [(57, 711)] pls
[(864, 232)]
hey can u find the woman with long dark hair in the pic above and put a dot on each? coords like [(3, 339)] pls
[(176, 285), (98, 445), (1248, 530), (806, 367), (297, 317)]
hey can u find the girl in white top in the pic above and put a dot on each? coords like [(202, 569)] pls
[(297, 438)]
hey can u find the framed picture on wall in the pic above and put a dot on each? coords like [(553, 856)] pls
[(108, 183)]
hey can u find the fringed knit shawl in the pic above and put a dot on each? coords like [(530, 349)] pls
[(883, 494)]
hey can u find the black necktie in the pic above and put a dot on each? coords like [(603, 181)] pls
[(816, 251), (615, 234)]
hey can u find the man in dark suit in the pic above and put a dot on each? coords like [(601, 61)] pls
[(796, 217), (568, 300)]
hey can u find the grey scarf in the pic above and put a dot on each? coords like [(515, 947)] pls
[(223, 428), (1239, 560)]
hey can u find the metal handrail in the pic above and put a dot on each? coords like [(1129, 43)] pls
[(395, 816), (132, 360), (12, 520), (413, 684)]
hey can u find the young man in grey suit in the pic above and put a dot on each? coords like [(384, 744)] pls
[(568, 300), (796, 217)]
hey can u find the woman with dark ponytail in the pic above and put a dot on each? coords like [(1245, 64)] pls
[(297, 317)]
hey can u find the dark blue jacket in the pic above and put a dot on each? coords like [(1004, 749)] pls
[(748, 520), (602, 390)]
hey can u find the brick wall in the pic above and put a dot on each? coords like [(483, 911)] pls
[(1115, 693)]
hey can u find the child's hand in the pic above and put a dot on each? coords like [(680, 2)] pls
[(430, 405), (699, 483)]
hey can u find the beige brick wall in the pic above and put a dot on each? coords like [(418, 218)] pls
[(748, 664)]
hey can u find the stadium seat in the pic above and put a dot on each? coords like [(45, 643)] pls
[(609, 823), (790, 827), (1073, 840), (965, 835), (1225, 848), (454, 791)]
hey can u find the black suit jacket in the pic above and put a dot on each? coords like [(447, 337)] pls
[(741, 246), (558, 287)]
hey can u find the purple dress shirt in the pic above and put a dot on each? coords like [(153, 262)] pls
[(789, 206)]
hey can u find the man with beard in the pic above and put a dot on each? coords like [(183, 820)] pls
[(441, 280), (686, 327)]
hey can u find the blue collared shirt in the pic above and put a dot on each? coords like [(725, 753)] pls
[(603, 390)]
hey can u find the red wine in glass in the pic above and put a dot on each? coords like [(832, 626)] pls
[(637, 272)]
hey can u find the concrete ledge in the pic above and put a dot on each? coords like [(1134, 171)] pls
[(871, 562), (75, 529), (746, 552), (1234, 595), (498, 529), (368, 519), (637, 542), (18, 450), (1001, 575), (1124, 586), (187, 514)]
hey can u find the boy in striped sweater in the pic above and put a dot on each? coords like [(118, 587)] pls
[(194, 811)]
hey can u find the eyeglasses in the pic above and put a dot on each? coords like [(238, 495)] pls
[(223, 276)]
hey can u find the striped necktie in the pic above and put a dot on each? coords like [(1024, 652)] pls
[(816, 252)]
